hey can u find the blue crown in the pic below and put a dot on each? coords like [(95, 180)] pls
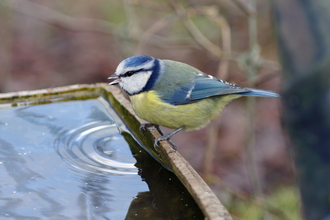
[(137, 60)]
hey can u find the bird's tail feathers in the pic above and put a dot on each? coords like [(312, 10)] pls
[(262, 93)]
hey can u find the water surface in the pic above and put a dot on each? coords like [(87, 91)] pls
[(77, 160)]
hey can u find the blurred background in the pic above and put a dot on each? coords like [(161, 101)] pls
[(244, 156)]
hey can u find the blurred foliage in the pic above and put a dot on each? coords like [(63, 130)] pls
[(282, 204)]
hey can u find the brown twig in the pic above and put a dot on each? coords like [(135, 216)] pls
[(222, 23), (56, 18), (245, 7), (194, 31), (251, 72), (153, 29)]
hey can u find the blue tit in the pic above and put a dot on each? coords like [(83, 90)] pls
[(174, 94)]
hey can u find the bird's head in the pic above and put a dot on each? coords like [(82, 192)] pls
[(137, 74)]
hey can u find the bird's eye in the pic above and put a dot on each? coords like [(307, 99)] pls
[(128, 73)]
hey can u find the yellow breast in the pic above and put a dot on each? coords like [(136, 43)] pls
[(150, 107)]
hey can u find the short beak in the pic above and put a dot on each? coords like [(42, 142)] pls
[(115, 82)]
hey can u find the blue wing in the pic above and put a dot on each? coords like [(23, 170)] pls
[(262, 93), (203, 86)]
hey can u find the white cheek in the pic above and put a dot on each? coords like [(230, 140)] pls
[(135, 83), (120, 67)]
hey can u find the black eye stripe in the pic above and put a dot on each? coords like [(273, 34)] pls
[(129, 73), (132, 72)]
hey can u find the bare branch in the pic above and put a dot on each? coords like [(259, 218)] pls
[(56, 18), (246, 8)]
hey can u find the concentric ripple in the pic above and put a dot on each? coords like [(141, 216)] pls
[(97, 147)]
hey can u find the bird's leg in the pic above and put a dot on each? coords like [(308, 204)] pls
[(143, 126), (167, 137)]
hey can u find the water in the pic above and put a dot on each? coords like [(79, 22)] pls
[(77, 160)]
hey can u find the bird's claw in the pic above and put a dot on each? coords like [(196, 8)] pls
[(164, 138), (144, 126)]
